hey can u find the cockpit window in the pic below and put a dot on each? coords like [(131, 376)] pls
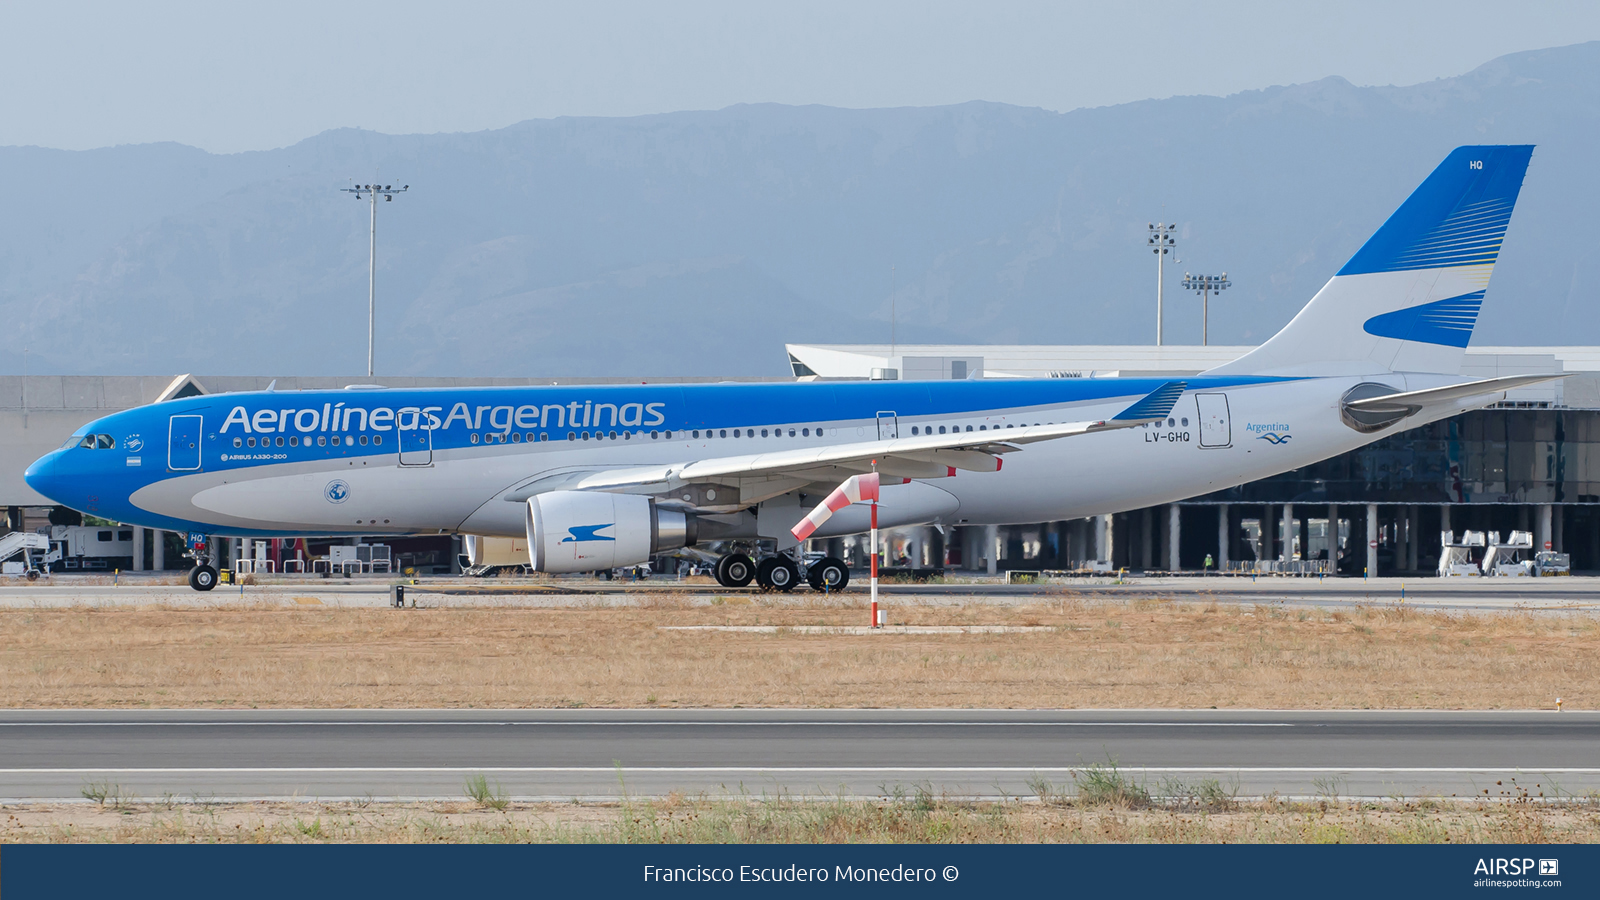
[(87, 441), (104, 442)]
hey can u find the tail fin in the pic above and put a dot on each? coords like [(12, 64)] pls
[(1409, 298)]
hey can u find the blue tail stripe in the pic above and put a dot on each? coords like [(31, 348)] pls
[(1457, 217), (1448, 322)]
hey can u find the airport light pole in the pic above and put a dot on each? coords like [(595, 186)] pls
[(1160, 243), (372, 192), (1204, 285)]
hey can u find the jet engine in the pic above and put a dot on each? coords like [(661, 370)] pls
[(580, 531)]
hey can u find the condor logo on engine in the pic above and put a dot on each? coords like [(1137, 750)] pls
[(578, 533)]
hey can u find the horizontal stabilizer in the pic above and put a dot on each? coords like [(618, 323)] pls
[(1409, 402)]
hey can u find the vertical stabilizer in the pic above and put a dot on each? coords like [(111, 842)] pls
[(1409, 298)]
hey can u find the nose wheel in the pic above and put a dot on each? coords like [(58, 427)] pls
[(202, 577)]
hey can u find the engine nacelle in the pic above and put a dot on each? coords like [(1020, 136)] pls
[(580, 531), (495, 551)]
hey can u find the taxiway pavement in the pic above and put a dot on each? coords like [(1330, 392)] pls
[(1576, 594), (599, 754)]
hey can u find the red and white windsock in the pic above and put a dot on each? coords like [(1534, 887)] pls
[(855, 489)]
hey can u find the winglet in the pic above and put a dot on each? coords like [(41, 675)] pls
[(1155, 405)]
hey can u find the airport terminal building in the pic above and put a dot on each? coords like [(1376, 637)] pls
[(1530, 463)]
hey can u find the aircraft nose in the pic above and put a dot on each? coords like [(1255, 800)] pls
[(44, 476)]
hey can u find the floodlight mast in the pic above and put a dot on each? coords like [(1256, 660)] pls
[(372, 192), (1160, 243), (1204, 285)]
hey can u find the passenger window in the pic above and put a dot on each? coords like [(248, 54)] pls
[(377, 439), (238, 442), (969, 427), (983, 428), (791, 432), (125, 535), (1186, 421), (613, 435), (941, 429), (724, 432), (805, 432), (655, 435), (585, 435), (572, 435), (363, 440), (1171, 423), (294, 441), (251, 442), (669, 435), (336, 440), (696, 435), (322, 441), (913, 429), (473, 437), (103, 535), (278, 441)]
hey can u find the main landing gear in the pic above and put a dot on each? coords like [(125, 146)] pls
[(781, 573)]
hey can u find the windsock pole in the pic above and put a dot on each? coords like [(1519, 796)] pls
[(855, 489), (874, 563)]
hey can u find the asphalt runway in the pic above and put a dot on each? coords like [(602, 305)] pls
[(597, 754), (1576, 594)]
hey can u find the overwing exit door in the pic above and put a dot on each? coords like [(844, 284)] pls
[(888, 425)]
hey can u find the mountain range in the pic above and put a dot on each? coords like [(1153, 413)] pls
[(698, 243)]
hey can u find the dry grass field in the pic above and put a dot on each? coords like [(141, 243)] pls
[(1085, 654), (912, 819)]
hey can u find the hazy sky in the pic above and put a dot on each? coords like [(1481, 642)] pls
[(243, 76)]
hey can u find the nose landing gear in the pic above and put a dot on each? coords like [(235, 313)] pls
[(203, 577)]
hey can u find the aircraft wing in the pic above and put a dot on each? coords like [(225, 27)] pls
[(924, 456)]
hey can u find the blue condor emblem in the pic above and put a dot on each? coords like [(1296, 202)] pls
[(579, 533)]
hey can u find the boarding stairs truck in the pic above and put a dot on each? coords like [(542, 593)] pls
[(24, 543), (1456, 559), (1510, 557)]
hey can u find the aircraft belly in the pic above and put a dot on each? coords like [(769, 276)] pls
[(381, 499)]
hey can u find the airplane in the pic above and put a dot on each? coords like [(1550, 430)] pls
[(588, 477)]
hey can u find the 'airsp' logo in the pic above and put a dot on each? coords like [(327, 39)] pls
[(336, 491), (578, 533)]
